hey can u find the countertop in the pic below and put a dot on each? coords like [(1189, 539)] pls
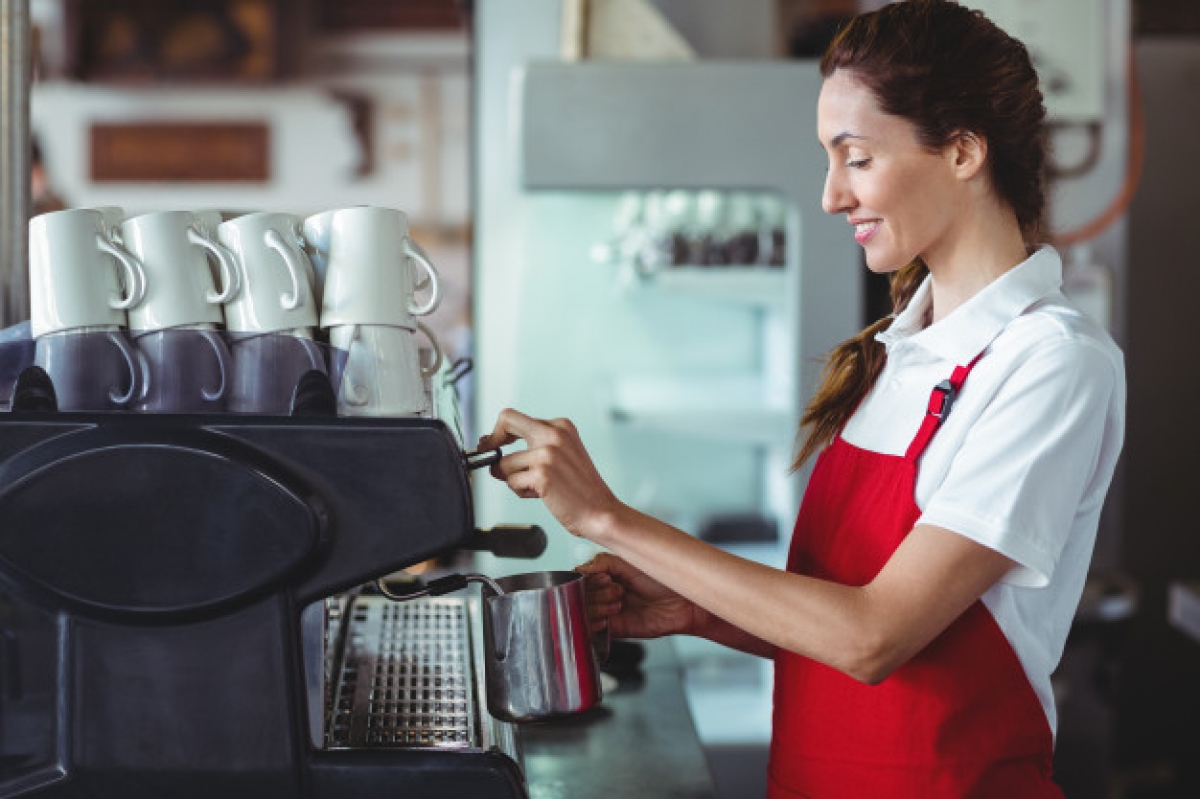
[(639, 742)]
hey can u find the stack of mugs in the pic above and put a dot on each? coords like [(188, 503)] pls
[(185, 312)]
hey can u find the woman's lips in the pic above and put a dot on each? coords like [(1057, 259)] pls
[(863, 231)]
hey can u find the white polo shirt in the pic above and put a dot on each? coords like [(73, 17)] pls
[(1024, 459)]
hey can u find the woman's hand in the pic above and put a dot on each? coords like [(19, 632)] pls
[(555, 468), (633, 605)]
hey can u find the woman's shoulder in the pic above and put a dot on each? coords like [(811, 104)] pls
[(1055, 329), (1055, 341)]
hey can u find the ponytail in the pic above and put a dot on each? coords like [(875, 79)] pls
[(851, 371)]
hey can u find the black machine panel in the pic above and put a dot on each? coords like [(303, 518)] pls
[(153, 573)]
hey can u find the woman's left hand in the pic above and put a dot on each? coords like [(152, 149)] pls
[(555, 468)]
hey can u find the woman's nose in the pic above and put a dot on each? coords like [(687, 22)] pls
[(836, 198)]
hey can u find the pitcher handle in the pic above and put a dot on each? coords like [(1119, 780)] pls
[(135, 275), (222, 352), (442, 585), (291, 258), (230, 277), (414, 251)]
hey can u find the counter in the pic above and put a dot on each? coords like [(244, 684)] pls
[(640, 742)]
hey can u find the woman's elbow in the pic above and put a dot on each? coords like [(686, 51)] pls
[(872, 659)]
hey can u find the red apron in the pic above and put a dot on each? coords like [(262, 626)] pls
[(958, 721)]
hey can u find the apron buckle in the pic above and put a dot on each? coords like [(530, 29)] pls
[(942, 399)]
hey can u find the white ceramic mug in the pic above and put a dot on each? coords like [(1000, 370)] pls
[(370, 269), (179, 282), (73, 273), (185, 370), (380, 369), (267, 367), (92, 369), (275, 291)]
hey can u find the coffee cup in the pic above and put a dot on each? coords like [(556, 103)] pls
[(267, 367), (180, 290), (380, 371), (186, 370), (275, 277), (92, 369), (370, 267), (73, 273)]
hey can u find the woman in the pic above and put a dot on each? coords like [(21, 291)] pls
[(938, 557)]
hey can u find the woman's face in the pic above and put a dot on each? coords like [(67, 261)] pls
[(900, 197)]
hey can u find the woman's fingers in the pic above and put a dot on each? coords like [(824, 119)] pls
[(511, 425), (603, 598)]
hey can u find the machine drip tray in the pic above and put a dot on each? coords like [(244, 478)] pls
[(409, 678)]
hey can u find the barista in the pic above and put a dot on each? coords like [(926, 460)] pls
[(938, 556)]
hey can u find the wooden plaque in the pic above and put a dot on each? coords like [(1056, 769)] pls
[(181, 152)]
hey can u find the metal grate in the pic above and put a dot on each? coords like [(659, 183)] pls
[(407, 678)]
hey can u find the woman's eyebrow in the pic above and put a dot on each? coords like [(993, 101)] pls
[(837, 140)]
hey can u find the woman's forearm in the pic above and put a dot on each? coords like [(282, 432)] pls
[(753, 607), (722, 632), (863, 631)]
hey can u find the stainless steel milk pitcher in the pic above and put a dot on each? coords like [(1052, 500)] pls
[(538, 656)]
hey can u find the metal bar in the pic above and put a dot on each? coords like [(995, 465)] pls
[(16, 67)]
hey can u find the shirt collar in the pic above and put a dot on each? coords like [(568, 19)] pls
[(972, 326)]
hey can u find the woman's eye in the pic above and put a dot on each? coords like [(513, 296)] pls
[(858, 163)]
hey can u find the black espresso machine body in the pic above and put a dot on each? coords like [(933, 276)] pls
[(153, 574)]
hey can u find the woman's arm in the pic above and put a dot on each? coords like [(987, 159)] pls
[(863, 631)]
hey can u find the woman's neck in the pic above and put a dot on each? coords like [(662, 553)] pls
[(977, 255)]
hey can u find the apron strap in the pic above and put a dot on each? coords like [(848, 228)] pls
[(941, 400)]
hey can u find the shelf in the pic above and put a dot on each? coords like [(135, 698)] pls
[(725, 408), (759, 286)]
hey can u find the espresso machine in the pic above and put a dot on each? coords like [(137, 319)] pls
[(186, 605)]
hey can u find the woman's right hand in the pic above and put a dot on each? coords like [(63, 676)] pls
[(633, 605)]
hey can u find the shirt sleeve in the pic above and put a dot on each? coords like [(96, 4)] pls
[(1029, 463)]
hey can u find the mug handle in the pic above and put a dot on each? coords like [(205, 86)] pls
[(230, 276), (131, 355), (219, 349), (350, 391), (414, 251), (291, 258), (135, 275), (316, 358), (427, 371)]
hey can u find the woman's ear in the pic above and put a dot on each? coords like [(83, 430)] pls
[(968, 151)]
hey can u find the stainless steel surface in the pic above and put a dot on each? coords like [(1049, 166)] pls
[(15, 80), (537, 647)]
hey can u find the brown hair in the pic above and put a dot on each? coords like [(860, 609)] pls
[(946, 69)]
